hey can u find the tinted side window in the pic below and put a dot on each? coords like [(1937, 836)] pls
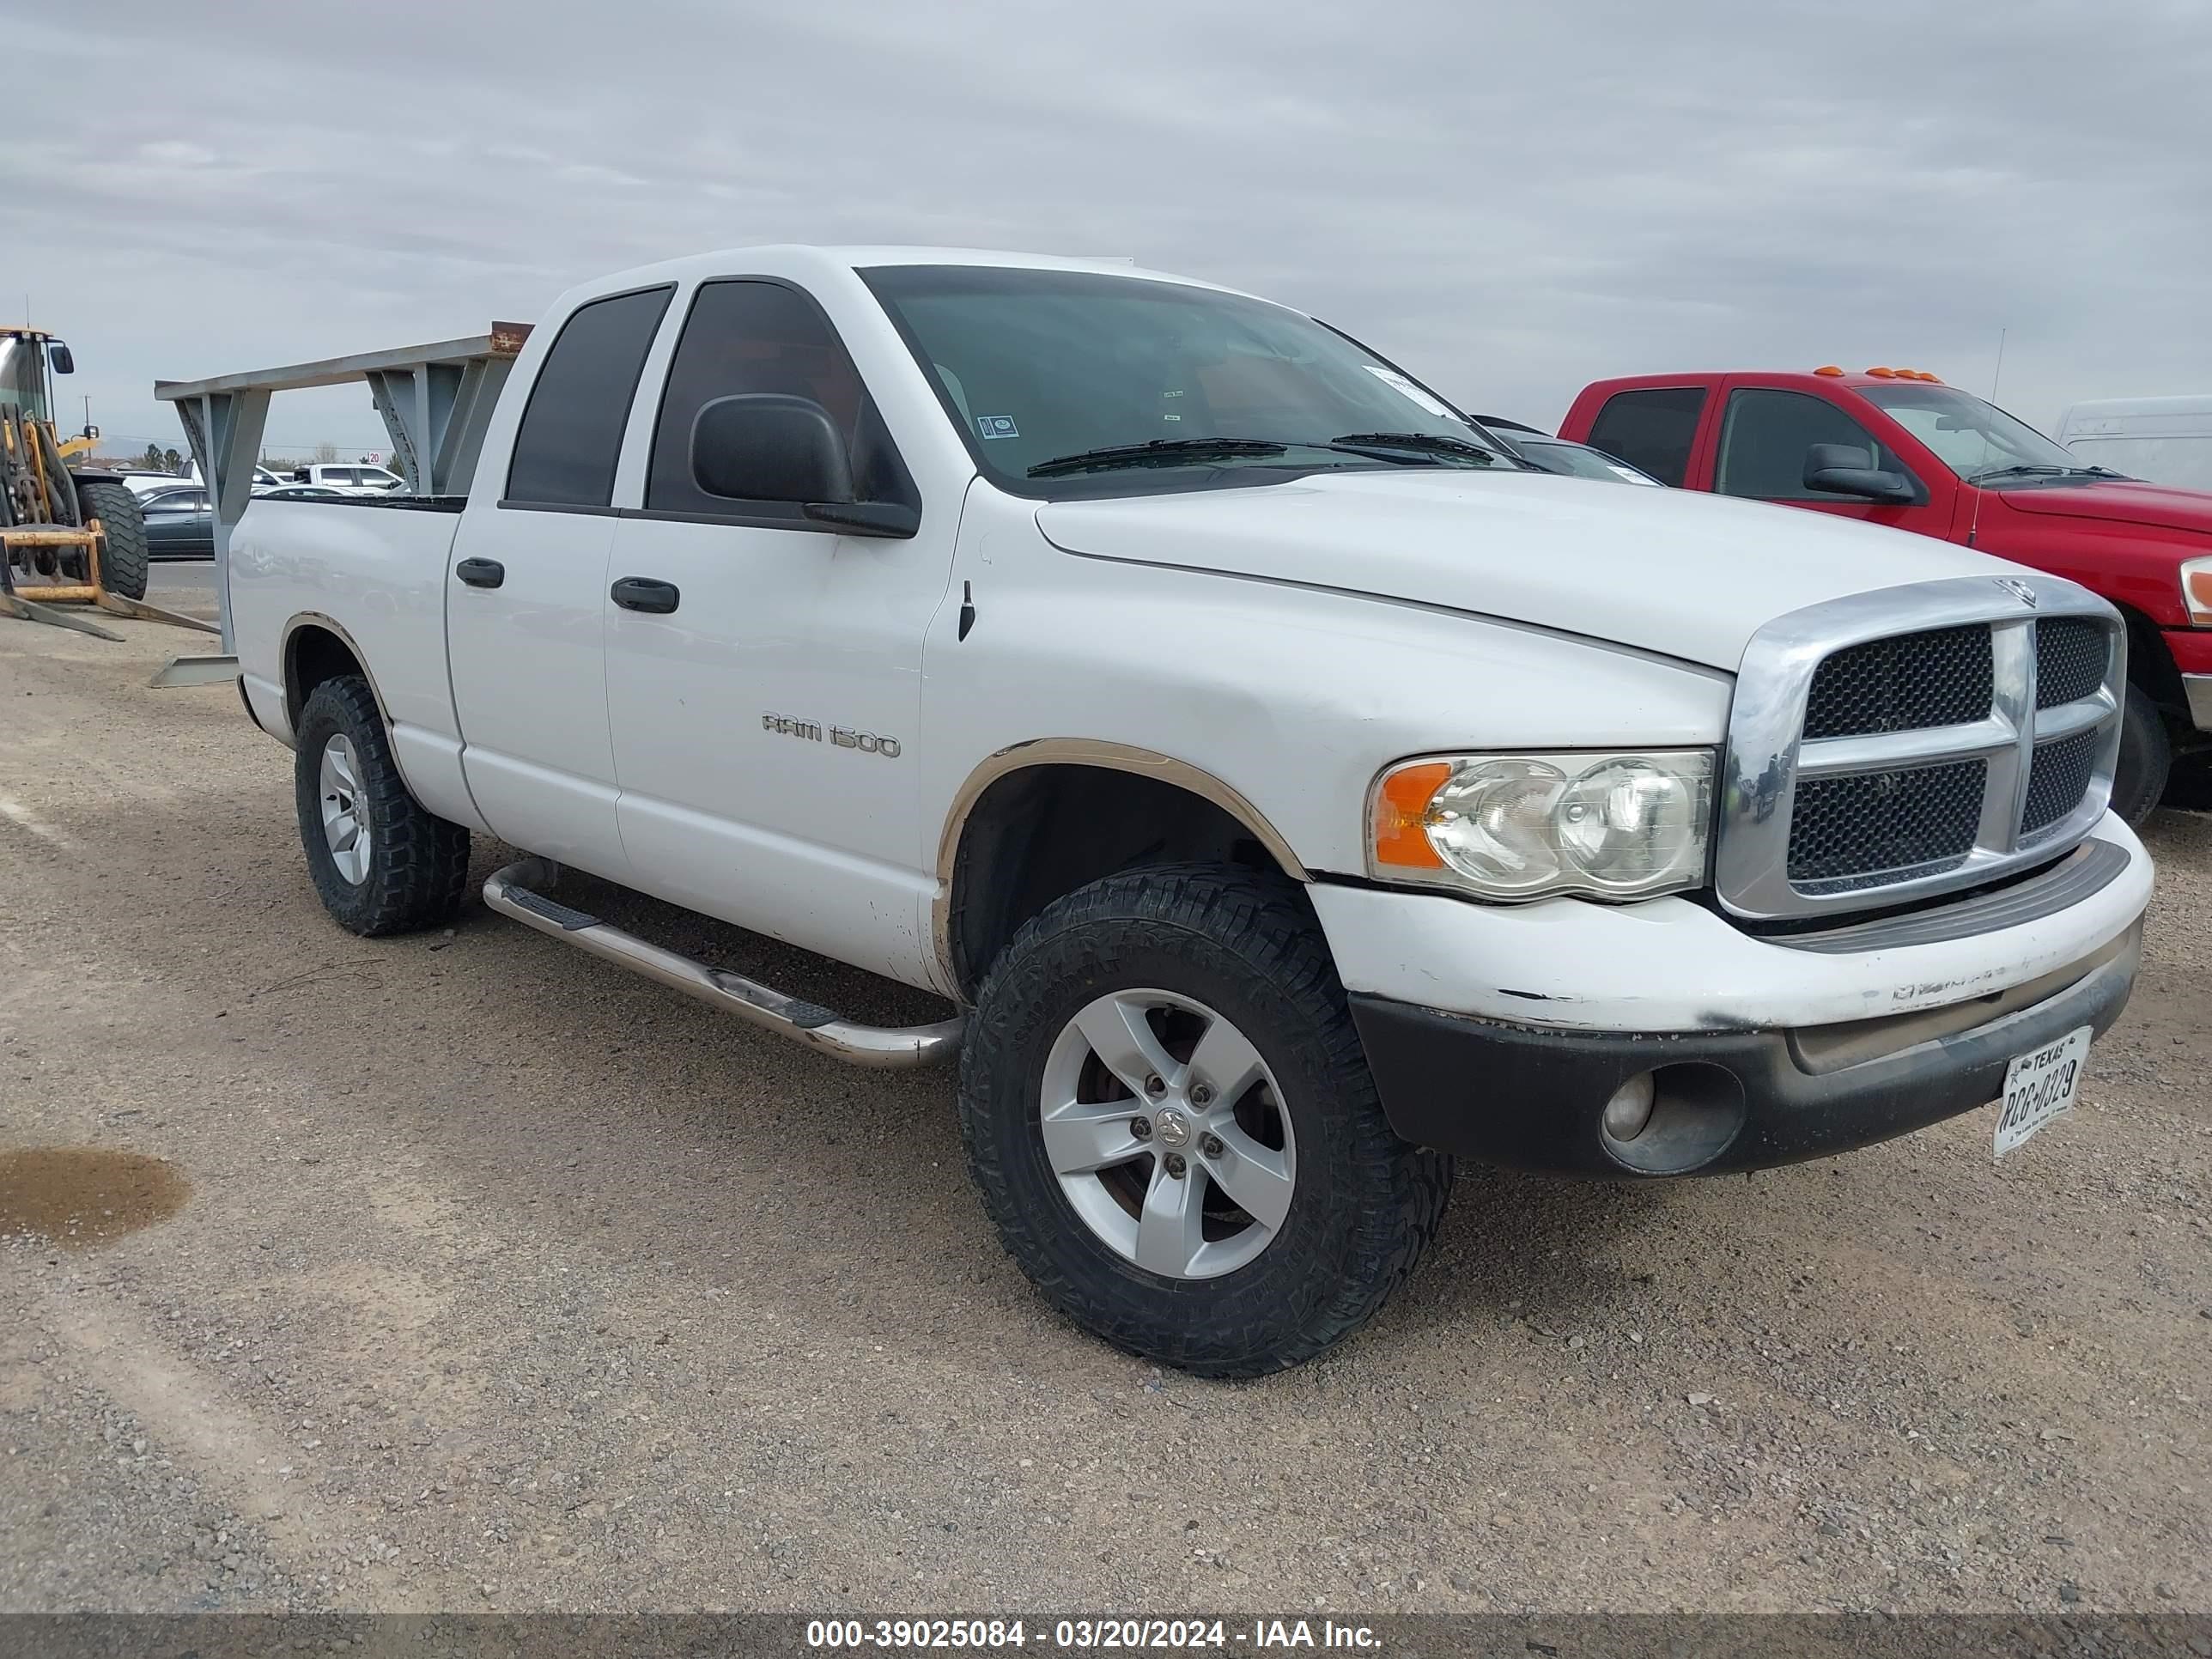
[(571, 433), (1764, 437), (748, 336), (1651, 429)]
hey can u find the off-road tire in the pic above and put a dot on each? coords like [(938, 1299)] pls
[(418, 863), (1366, 1203), (2146, 758), (123, 555)]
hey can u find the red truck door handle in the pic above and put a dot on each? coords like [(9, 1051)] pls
[(644, 594), (481, 572)]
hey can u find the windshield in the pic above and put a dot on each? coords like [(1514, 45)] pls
[(23, 375), (1969, 436), (1043, 369)]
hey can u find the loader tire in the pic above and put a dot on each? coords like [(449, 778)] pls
[(123, 555)]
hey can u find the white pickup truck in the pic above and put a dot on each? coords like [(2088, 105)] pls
[(1289, 791)]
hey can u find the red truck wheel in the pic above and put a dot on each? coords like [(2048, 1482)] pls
[(2146, 758)]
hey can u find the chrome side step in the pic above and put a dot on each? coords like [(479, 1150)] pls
[(512, 892)]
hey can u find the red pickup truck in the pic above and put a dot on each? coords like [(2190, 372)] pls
[(1897, 446)]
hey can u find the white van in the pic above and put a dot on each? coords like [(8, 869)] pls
[(2167, 441)]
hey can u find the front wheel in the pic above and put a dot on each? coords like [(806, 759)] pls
[(1169, 1117), (380, 862), (123, 552), (2146, 758)]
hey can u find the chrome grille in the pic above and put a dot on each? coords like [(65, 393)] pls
[(2057, 778), (2070, 660), (1914, 740), (1898, 684), (1869, 828)]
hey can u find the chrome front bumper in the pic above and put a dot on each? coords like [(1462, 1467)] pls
[(2198, 690)]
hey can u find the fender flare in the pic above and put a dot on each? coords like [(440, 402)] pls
[(1104, 756)]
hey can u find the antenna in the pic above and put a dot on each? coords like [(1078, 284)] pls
[(1997, 376)]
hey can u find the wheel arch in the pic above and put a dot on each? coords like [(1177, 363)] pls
[(315, 649), (2150, 665), (997, 866)]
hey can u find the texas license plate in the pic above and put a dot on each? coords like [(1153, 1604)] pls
[(2039, 1085)]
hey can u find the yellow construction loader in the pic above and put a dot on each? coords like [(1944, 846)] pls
[(68, 534)]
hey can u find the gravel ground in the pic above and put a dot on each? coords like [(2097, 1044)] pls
[(489, 1277)]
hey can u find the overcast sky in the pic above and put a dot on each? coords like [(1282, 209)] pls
[(1511, 200)]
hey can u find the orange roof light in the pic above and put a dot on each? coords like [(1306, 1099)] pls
[(1828, 368), (1883, 373)]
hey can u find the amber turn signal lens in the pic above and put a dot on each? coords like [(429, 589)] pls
[(2197, 589), (1402, 806)]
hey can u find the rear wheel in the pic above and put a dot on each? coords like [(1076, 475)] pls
[(123, 555), (2146, 758), (1170, 1118), (381, 863)]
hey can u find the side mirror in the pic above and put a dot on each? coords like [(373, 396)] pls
[(59, 358), (1847, 470), (765, 446), (768, 446)]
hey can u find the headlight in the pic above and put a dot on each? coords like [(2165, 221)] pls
[(1529, 826), (2197, 590)]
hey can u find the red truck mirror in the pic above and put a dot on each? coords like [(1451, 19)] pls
[(1847, 470)]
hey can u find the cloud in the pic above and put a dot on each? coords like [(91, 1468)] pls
[(1511, 202)]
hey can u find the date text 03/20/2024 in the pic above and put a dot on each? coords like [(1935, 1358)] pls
[(1088, 1635)]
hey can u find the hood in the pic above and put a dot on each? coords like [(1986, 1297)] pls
[(2116, 501), (1686, 574)]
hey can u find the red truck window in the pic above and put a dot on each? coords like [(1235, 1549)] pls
[(1652, 428), (1764, 437)]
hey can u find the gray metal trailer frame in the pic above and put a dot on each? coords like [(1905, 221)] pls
[(436, 399)]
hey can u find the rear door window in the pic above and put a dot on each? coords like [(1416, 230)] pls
[(571, 433), (1766, 433), (1652, 428)]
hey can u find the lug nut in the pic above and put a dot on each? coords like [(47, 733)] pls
[(1156, 1085), (1202, 1095), (1210, 1144), (1141, 1128), (1175, 1166)]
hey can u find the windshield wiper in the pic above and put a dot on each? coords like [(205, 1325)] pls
[(1160, 451), (2021, 469), (2046, 469), (1424, 443)]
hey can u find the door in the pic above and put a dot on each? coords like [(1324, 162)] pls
[(763, 669), (525, 596), (1765, 433)]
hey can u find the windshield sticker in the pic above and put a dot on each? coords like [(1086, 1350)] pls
[(997, 426), (1406, 389)]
